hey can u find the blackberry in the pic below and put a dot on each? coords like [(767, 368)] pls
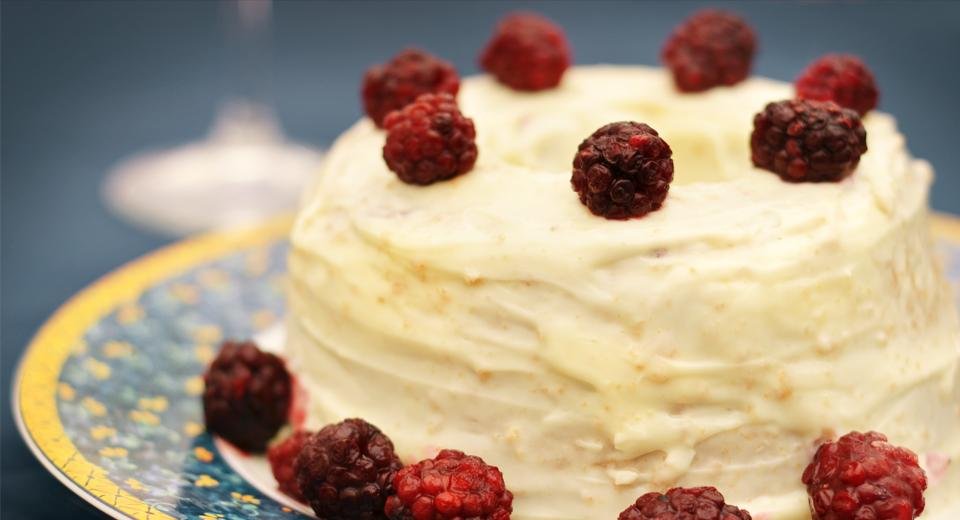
[(709, 49), (345, 471), (401, 80), (862, 476), (281, 457), (451, 485), (623, 170), (429, 140), (807, 141), (699, 503), (840, 78), (246, 396), (527, 52)]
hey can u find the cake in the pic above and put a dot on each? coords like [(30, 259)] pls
[(714, 340)]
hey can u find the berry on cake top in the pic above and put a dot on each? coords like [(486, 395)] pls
[(709, 49), (841, 78), (429, 140), (623, 170), (527, 52), (401, 80), (807, 141)]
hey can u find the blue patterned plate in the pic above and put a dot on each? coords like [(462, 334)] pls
[(107, 393)]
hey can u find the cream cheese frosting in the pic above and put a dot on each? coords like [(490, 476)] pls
[(711, 342)]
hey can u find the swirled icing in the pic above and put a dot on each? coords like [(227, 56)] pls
[(708, 343)]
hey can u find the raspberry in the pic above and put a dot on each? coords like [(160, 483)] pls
[(409, 74), (709, 49), (527, 52), (840, 78), (281, 457), (623, 170), (807, 141), (429, 140), (345, 471), (451, 485), (862, 476), (246, 396), (699, 503)]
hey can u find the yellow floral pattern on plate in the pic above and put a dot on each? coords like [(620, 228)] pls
[(108, 392)]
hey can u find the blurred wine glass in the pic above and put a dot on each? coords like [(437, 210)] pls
[(243, 172)]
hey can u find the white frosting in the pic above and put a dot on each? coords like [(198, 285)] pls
[(708, 343)]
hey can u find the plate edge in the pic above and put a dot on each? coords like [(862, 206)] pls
[(166, 260)]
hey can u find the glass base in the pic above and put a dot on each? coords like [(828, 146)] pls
[(243, 173)]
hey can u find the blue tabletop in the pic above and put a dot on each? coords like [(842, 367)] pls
[(87, 83)]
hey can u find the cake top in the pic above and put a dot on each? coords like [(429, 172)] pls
[(623, 169), (518, 194)]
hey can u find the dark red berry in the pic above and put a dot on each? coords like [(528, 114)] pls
[(345, 471), (840, 78), (699, 503), (450, 486), (246, 395), (623, 170), (429, 140), (862, 476), (807, 141), (709, 49), (282, 457), (401, 80), (527, 52)]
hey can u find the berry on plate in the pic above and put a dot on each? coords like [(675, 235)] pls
[(281, 457), (345, 470), (807, 141), (527, 52), (451, 485), (401, 80), (699, 503), (429, 140), (623, 170), (709, 49), (862, 476), (246, 396), (840, 78)]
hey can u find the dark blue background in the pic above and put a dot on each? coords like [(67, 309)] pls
[(85, 83)]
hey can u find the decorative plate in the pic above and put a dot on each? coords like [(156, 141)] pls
[(107, 393)]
